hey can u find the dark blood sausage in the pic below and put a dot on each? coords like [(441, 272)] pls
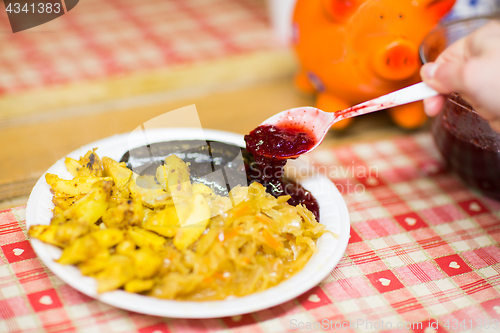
[(216, 164)]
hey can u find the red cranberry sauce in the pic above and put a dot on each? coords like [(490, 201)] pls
[(271, 147), (469, 146), (278, 142)]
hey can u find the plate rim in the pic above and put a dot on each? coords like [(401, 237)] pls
[(188, 309)]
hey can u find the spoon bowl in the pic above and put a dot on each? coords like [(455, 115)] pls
[(316, 122)]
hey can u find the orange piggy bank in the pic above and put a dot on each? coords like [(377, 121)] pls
[(351, 51)]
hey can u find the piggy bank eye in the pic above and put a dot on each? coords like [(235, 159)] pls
[(339, 10)]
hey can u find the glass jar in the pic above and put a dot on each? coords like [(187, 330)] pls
[(467, 143)]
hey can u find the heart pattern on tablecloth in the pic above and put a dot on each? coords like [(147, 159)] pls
[(453, 265), (410, 221), (45, 300), (475, 207), (314, 298), (18, 251), (385, 282)]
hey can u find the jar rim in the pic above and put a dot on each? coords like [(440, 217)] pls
[(446, 25), (453, 100)]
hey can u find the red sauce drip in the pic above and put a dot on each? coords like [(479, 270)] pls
[(271, 146)]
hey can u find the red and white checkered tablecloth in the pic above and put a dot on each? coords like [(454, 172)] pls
[(107, 39), (424, 249)]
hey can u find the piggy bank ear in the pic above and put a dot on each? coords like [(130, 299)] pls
[(340, 10), (439, 7)]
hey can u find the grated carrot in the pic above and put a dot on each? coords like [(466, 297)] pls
[(271, 240)]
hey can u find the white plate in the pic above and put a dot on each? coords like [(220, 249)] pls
[(333, 214)]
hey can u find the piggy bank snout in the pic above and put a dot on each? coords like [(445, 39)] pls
[(396, 61)]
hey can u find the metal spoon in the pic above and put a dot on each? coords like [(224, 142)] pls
[(316, 122)]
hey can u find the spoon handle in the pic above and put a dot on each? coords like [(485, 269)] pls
[(406, 95)]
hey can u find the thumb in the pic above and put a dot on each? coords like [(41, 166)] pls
[(445, 74), (444, 77)]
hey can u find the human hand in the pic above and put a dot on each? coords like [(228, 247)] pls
[(470, 66)]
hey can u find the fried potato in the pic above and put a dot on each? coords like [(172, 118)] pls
[(91, 164), (147, 182), (164, 222), (139, 286), (45, 233), (177, 176), (64, 202), (146, 263), (73, 166), (94, 265), (126, 247), (161, 175), (202, 189), (119, 270), (108, 237), (199, 212), (81, 249), (127, 212), (194, 225), (73, 187), (152, 196), (69, 231), (238, 194), (92, 206), (146, 239), (119, 193), (118, 171), (147, 213), (58, 217)]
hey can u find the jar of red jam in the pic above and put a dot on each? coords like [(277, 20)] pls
[(468, 145)]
